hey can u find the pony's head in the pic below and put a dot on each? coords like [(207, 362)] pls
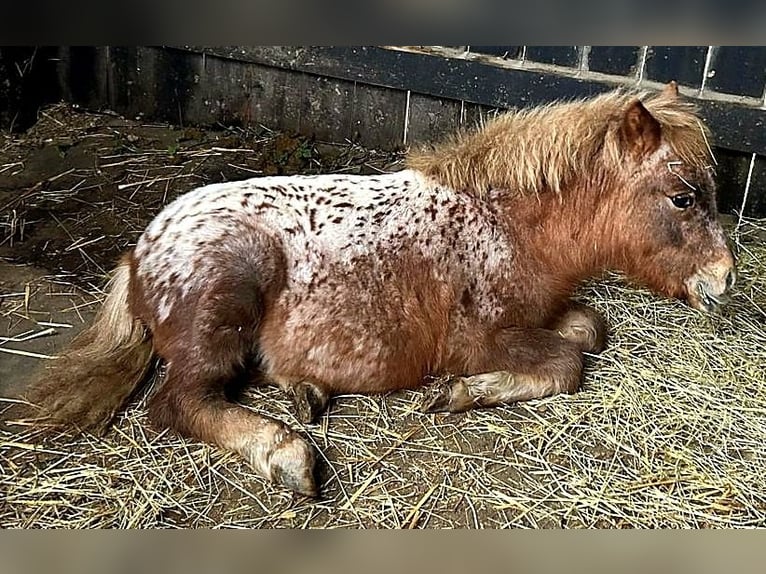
[(662, 218)]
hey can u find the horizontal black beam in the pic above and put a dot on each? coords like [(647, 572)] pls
[(735, 126)]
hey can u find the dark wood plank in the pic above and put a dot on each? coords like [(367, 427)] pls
[(619, 60), (735, 126), (739, 70), (431, 119), (559, 55), (684, 64)]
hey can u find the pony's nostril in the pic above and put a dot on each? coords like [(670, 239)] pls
[(731, 278)]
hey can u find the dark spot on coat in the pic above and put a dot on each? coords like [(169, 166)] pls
[(466, 299), (265, 205), (312, 219)]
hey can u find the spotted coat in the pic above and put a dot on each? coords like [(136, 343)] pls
[(355, 248)]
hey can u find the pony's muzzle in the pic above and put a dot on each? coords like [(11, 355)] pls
[(709, 288)]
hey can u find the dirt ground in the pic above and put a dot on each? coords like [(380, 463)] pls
[(630, 450)]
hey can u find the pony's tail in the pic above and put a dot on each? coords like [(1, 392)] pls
[(102, 368)]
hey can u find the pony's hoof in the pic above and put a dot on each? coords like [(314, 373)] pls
[(310, 401), (451, 397), (437, 401), (292, 466)]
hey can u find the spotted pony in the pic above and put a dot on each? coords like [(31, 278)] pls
[(463, 263)]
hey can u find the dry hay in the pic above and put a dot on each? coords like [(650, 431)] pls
[(668, 431)]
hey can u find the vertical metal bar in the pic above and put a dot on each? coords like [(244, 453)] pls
[(706, 70), (641, 63), (406, 118)]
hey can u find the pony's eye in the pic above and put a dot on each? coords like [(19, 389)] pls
[(683, 201)]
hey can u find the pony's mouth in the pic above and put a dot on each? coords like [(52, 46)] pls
[(707, 301), (708, 292)]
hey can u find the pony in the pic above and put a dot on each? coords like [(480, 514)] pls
[(463, 263)]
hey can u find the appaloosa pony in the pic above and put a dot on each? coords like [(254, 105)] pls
[(463, 263)]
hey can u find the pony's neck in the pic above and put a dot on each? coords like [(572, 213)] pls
[(560, 235)]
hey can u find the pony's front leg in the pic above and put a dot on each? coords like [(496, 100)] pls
[(309, 399), (583, 326), (515, 365)]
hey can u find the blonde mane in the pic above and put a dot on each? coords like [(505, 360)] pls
[(549, 146)]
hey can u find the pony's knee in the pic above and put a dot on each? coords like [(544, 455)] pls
[(584, 327)]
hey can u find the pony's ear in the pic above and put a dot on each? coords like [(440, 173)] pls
[(671, 90), (640, 131)]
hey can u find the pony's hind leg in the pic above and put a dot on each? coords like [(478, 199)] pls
[(196, 407), (208, 351), (517, 365), (583, 326)]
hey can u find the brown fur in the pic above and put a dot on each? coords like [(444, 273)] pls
[(416, 293)]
